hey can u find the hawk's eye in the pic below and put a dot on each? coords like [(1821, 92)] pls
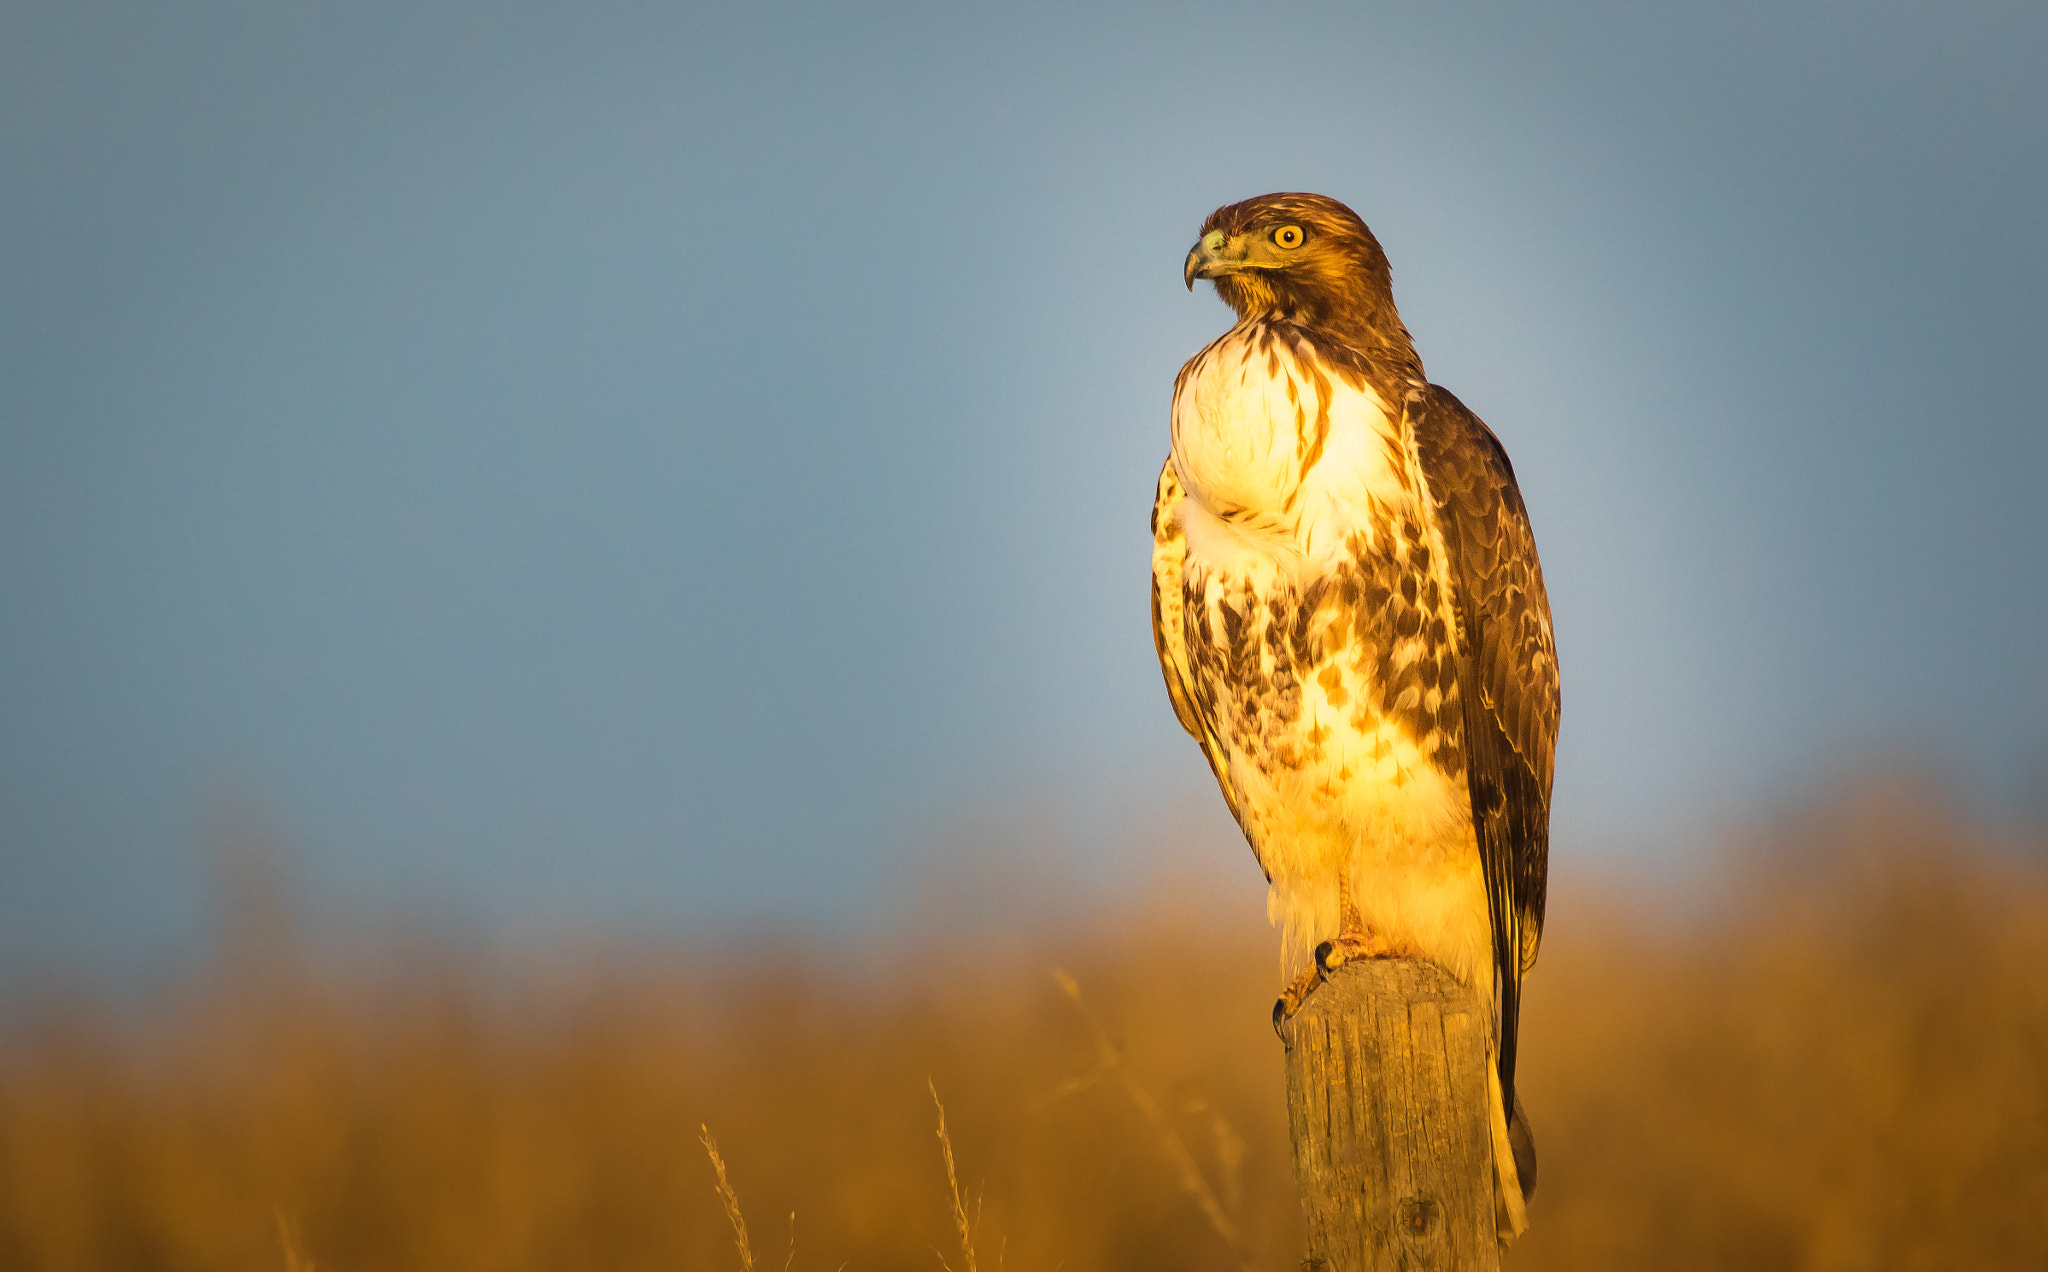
[(1289, 236)]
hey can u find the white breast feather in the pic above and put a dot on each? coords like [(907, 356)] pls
[(1239, 439)]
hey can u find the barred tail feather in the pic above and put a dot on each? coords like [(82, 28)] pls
[(1523, 1141), (1514, 1165)]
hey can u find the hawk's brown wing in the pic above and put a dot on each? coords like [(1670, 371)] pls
[(1507, 680), (1169, 631)]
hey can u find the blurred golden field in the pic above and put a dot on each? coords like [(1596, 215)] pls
[(1828, 1050)]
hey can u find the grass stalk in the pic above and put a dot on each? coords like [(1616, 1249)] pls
[(295, 1259), (731, 1201), (960, 1219), (1188, 1171)]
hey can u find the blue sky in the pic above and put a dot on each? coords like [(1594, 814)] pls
[(631, 464)]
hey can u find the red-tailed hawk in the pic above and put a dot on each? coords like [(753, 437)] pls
[(1351, 621)]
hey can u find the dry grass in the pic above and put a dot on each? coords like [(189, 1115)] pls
[(295, 1259), (730, 1200), (1839, 1063), (961, 1221), (1187, 1170)]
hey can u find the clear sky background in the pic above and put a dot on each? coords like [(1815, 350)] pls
[(657, 465)]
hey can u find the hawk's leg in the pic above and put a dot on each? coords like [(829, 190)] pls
[(1355, 940)]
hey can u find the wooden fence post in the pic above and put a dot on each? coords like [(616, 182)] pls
[(1388, 1106)]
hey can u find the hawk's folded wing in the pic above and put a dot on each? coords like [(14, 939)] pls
[(1507, 679), (1169, 632)]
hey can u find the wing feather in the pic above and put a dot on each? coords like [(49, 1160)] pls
[(1169, 632), (1169, 552), (1507, 679)]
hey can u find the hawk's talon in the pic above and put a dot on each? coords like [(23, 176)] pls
[(1324, 953), (1351, 946), (1329, 956), (1294, 996)]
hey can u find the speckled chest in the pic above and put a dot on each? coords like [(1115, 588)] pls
[(1318, 626)]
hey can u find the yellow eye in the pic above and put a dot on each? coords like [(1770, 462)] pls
[(1289, 236)]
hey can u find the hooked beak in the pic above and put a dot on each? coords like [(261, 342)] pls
[(1205, 260)]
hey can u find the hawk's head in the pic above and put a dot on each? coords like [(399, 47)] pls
[(1304, 257)]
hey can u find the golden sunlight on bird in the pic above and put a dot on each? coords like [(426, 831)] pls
[(1351, 621)]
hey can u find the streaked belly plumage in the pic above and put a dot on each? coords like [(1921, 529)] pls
[(1319, 643)]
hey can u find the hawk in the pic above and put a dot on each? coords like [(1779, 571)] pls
[(1351, 621)]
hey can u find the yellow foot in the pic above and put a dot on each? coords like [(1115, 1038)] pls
[(1331, 955), (1351, 946), (1295, 995)]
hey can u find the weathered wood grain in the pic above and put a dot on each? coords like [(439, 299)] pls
[(1388, 1107)]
